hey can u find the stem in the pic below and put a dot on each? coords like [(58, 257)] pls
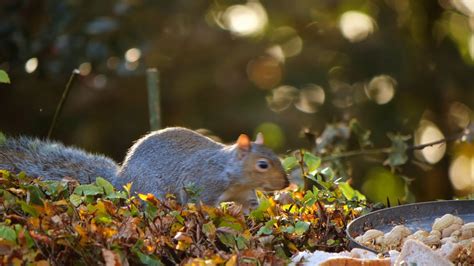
[(154, 106), (59, 108)]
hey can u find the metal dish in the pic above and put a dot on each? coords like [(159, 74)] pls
[(414, 216)]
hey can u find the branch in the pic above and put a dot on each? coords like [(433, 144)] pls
[(387, 150)]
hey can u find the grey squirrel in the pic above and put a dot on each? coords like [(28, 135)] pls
[(164, 161)]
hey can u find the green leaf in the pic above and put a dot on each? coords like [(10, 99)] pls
[(398, 151), (301, 227), (101, 182), (29, 209), (178, 216), (75, 199), (241, 242), (36, 195), (88, 190), (290, 163), (267, 229), (350, 193), (312, 161), (209, 229), (148, 259), (7, 233), (288, 229), (4, 78), (226, 239), (258, 213)]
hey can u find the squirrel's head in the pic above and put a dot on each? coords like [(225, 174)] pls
[(262, 168)]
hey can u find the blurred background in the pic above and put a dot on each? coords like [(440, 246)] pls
[(290, 69)]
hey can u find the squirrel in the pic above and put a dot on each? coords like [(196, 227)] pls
[(166, 161)]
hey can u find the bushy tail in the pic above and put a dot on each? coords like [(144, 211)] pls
[(54, 161)]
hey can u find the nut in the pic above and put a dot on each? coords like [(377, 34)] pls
[(443, 222), (450, 229), (371, 235)]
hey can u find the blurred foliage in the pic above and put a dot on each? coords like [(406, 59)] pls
[(296, 71)]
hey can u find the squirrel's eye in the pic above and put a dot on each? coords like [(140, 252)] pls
[(262, 165)]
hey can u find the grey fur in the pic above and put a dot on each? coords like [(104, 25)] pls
[(164, 161), (53, 161)]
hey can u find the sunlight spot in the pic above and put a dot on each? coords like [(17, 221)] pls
[(31, 65), (459, 114), (356, 26), (461, 173), (311, 97), (245, 20), (282, 98), (265, 72), (381, 89), (85, 68), (428, 132), (100, 81), (132, 55)]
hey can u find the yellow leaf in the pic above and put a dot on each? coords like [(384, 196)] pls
[(42, 263), (232, 261)]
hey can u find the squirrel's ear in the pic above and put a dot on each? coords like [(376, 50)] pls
[(243, 142), (259, 138)]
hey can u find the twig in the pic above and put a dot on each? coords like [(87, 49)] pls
[(59, 108)]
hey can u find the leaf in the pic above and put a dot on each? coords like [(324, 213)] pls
[(226, 239), (209, 229), (148, 259), (363, 135), (29, 209), (4, 78), (267, 229), (75, 199), (290, 163), (398, 151), (101, 182), (7, 233), (312, 161), (88, 190), (36, 195), (301, 227), (350, 193)]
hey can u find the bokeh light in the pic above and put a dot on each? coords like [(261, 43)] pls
[(245, 20), (265, 72), (356, 26), (459, 114), (113, 62), (461, 173), (282, 98), (289, 41), (31, 65), (311, 97), (131, 66), (273, 135), (132, 55), (428, 132), (381, 89), (100, 81), (464, 6), (85, 68), (276, 52)]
